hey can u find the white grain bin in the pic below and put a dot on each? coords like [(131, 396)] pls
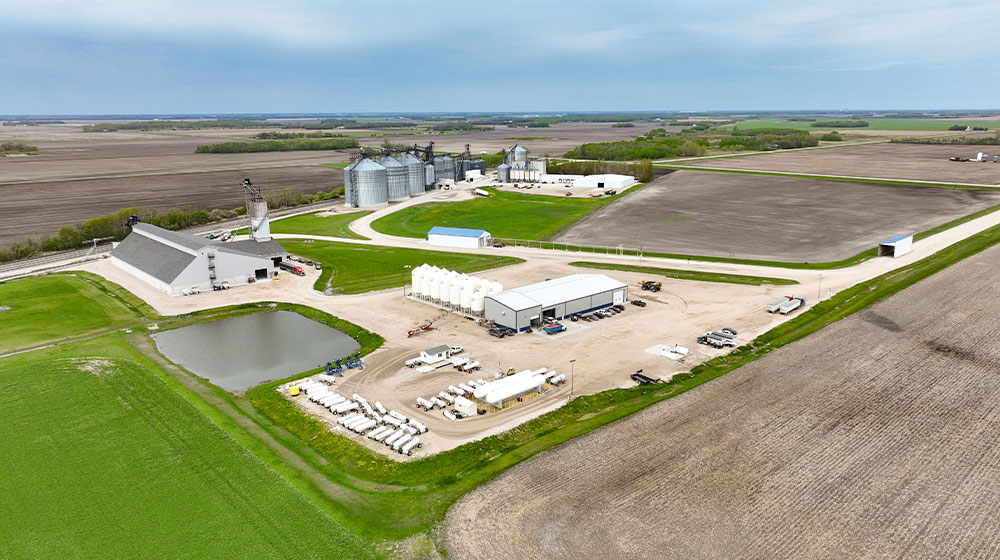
[(484, 285), (456, 295), (496, 288), (425, 286), (435, 288), (478, 304), (466, 301), (415, 280)]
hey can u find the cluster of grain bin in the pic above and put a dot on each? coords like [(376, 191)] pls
[(451, 289), (444, 168), (368, 183), (463, 166)]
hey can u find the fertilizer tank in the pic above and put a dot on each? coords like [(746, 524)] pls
[(478, 303), (414, 174), (503, 173), (397, 178), (495, 288), (466, 298), (456, 295), (415, 280), (425, 286)]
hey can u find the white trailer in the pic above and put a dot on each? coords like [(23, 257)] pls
[(377, 431), (348, 418), (471, 366), (792, 305), (358, 398), (345, 407), (458, 362), (775, 305), (393, 421), (365, 427), (424, 403), (409, 429), (395, 414), (361, 419), (447, 397), (438, 402), (456, 391), (381, 409), (419, 426), (449, 415), (465, 388), (384, 435)]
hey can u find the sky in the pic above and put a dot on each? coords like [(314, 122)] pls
[(323, 56)]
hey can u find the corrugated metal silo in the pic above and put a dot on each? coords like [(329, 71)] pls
[(415, 174), (428, 175), (503, 173), (371, 184), (520, 154), (479, 164), (444, 168), (349, 193), (397, 178)]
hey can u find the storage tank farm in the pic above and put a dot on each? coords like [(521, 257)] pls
[(414, 174), (451, 289), (397, 178)]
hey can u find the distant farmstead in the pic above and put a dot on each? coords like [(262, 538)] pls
[(458, 237)]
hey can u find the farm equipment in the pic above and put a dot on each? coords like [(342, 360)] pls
[(641, 379), (427, 326), (332, 369), (650, 285)]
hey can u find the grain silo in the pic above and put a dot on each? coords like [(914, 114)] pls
[(349, 192), (444, 168), (397, 178), (428, 176), (503, 173), (369, 184), (415, 174)]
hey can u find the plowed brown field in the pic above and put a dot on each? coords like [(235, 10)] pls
[(873, 438)]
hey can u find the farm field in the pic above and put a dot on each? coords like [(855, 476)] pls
[(504, 214), (874, 437), (354, 269), (919, 162), (874, 123), (103, 460), (53, 308), (791, 219)]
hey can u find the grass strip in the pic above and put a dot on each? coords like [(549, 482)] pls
[(960, 186), (689, 274)]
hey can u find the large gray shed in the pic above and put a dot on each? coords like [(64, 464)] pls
[(558, 298)]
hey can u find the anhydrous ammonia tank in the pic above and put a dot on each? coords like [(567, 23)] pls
[(456, 295), (484, 285), (478, 303), (414, 174), (495, 288)]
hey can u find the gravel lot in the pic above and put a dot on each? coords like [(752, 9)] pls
[(771, 218), (920, 162), (874, 438)]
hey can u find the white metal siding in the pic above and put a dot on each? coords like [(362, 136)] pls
[(453, 241)]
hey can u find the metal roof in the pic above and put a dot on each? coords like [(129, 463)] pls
[(556, 291), (192, 242), (518, 148), (253, 247), (159, 260), (367, 165), (457, 232), (389, 161), (895, 239), (436, 350)]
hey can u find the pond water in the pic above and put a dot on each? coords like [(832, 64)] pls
[(238, 353)]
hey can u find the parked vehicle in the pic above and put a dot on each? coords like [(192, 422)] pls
[(289, 267), (638, 303), (554, 328), (650, 285), (791, 305), (775, 305)]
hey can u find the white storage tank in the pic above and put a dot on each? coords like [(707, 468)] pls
[(415, 280), (466, 298), (478, 303), (435, 288), (456, 295), (495, 288), (425, 286)]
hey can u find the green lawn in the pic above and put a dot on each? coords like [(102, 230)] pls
[(340, 165), (101, 459), (929, 125), (56, 307), (505, 214), (313, 224), (354, 269), (689, 274)]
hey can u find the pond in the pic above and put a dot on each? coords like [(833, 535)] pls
[(238, 353)]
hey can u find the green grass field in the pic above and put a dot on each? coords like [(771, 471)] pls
[(354, 269), (340, 165), (313, 224), (52, 308), (689, 274), (505, 214), (890, 124), (101, 459)]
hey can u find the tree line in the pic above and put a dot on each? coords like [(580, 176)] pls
[(177, 125), (113, 225), (17, 148), (339, 143)]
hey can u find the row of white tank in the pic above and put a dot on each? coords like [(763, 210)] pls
[(452, 289)]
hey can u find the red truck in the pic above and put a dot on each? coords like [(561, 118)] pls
[(296, 270)]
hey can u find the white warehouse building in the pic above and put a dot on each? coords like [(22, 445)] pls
[(173, 262), (458, 237), (558, 298)]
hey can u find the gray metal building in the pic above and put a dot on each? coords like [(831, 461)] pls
[(174, 261), (558, 298)]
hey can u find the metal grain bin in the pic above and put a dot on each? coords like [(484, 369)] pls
[(415, 174), (479, 164), (398, 178), (444, 168), (350, 194), (428, 175), (503, 173), (371, 184)]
